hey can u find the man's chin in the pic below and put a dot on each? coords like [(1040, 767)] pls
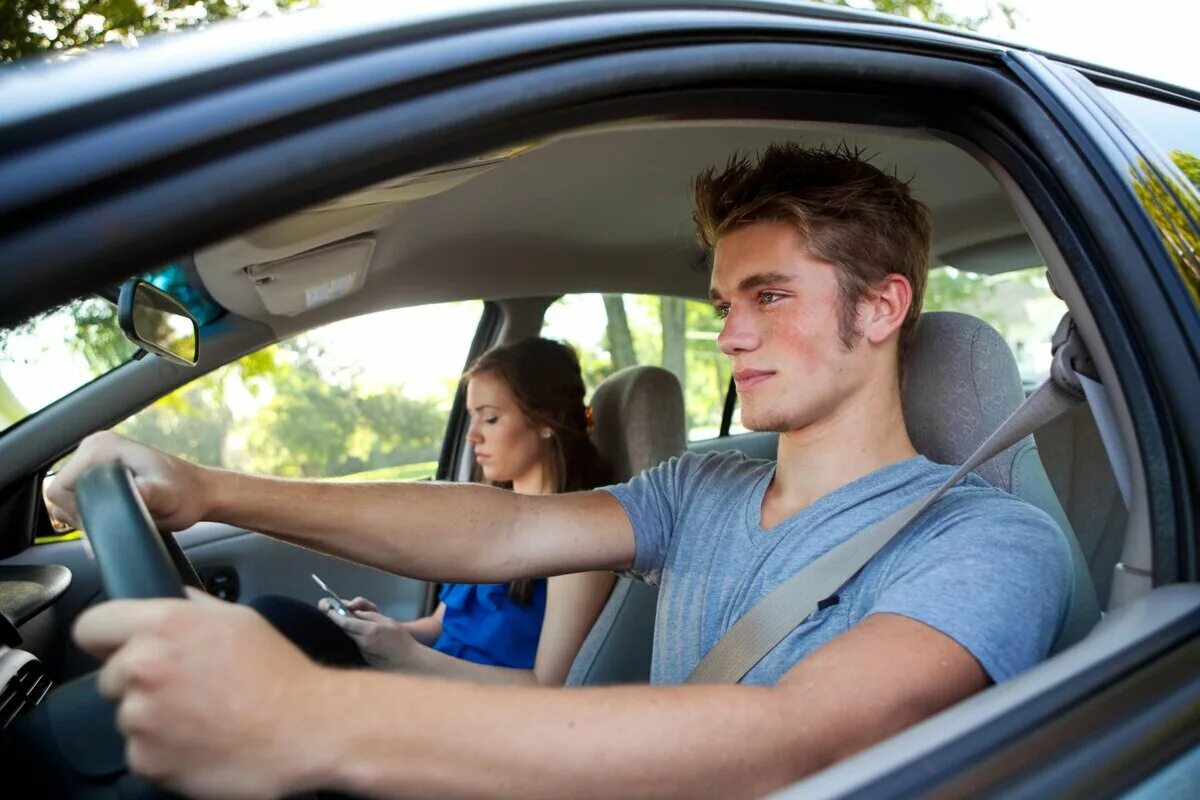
[(766, 423)]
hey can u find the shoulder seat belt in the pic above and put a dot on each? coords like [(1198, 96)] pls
[(795, 600)]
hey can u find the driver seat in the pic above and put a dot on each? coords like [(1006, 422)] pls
[(960, 382), (639, 424)]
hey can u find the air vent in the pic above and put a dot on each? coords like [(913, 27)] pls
[(24, 690)]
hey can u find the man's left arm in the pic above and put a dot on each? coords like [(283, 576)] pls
[(268, 722)]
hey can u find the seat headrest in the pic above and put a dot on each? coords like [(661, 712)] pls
[(960, 382), (639, 420)]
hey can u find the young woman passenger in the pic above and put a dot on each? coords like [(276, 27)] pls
[(529, 428)]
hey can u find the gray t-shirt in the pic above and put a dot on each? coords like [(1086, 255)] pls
[(981, 566)]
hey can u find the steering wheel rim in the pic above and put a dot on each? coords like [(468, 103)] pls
[(133, 559), (69, 745)]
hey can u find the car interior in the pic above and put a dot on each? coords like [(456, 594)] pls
[(606, 209)]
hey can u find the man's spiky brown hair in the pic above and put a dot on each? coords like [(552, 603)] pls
[(848, 212)]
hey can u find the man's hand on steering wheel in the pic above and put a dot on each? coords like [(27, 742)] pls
[(175, 491), (212, 701)]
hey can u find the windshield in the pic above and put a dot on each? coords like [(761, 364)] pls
[(54, 353)]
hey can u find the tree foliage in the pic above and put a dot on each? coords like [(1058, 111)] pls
[(319, 424), (1175, 208), (29, 27), (315, 419), (931, 11)]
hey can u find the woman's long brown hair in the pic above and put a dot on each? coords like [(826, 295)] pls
[(545, 379)]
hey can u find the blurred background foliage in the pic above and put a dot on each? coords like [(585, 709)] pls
[(32, 27)]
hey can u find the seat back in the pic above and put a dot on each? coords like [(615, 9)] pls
[(961, 382), (639, 424)]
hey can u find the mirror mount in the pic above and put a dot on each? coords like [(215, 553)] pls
[(157, 323)]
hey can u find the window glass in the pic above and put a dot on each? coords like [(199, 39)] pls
[(363, 399), (1175, 129), (615, 331), (1018, 304), (54, 353)]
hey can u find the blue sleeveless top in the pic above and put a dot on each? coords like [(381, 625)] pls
[(483, 624)]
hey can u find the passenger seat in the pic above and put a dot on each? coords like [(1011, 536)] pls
[(639, 424)]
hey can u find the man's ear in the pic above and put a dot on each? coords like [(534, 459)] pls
[(886, 308)]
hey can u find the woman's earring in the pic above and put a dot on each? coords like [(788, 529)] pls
[(546, 434)]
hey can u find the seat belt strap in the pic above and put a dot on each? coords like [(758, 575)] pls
[(1110, 436), (794, 600), (1074, 369)]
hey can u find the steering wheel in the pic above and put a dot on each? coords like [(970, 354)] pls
[(69, 744), (134, 560)]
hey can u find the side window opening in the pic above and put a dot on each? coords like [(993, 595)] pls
[(611, 332), (615, 331), (1019, 304), (361, 399)]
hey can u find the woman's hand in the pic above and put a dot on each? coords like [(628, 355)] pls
[(384, 642)]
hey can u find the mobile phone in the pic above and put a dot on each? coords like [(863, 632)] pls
[(334, 600)]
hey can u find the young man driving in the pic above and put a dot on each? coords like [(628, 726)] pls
[(819, 264)]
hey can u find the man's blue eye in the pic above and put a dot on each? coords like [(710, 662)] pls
[(768, 297), (721, 311)]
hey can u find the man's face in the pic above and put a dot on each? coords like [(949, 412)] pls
[(781, 308)]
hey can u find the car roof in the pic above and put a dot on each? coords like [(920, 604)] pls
[(61, 81)]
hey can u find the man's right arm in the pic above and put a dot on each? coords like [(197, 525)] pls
[(431, 531)]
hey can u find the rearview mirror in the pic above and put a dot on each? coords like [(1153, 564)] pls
[(158, 323)]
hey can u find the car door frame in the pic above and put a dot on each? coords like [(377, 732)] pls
[(640, 56)]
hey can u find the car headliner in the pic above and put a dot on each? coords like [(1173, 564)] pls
[(604, 209)]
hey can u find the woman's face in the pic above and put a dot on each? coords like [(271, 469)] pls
[(507, 447)]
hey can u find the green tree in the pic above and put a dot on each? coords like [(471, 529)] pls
[(706, 379), (951, 289), (620, 340), (319, 424), (1189, 165), (88, 327), (1174, 206), (193, 423), (673, 316), (29, 27), (932, 11), (196, 420)]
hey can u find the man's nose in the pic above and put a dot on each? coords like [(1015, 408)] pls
[(738, 334)]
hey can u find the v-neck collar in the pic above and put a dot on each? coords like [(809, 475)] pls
[(759, 534)]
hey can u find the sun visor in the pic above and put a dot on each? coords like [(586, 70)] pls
[(995, 257), (295, 285)]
